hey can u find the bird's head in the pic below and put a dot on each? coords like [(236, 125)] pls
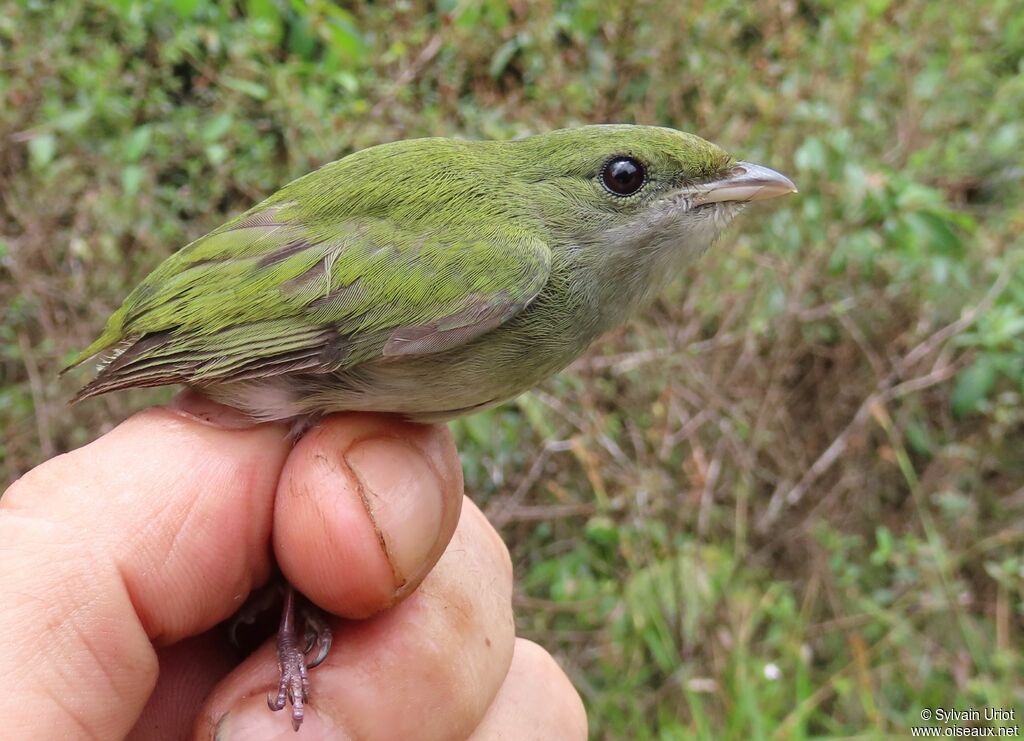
[(637, 187)]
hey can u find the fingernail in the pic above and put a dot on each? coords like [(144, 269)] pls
[(251, 720), (403, 497), (192, 404)]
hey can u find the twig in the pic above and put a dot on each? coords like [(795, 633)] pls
[(542, 513), (929, 344), (500, 513), (886, 390), (38, 388), (407, 75), (625, 362)]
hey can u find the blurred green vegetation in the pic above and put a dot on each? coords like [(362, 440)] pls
[(787, 502)]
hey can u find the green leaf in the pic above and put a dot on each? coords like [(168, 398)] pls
[(217, 127), (602, 531), (42, 149), (348, 81), (536, 414), (811, 156), (216, 153), (467, 16), (123, 7), (346, 40), (131, 179), (265, 10), (247, 87), (185, 8), (933, 231), (70, 121), (137, 143), (973, 385), (883, 545), (502, 57), (919, 438)]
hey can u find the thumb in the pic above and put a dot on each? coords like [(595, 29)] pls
[(155, 531), (365, 507)]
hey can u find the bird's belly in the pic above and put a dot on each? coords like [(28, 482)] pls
[(447, 385), (430, 388)]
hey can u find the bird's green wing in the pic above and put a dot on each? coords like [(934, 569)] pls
[(266, 295)]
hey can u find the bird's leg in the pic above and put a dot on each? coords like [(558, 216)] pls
[(303, 639), (294, 686), (301, 425)]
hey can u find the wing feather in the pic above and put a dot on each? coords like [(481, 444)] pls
[(265, 295)]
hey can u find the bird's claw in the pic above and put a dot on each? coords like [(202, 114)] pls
[(317, 635), (294, 686)]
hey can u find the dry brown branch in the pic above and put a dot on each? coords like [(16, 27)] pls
[(886, 390)]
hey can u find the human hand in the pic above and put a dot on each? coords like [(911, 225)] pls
[(118, 561)]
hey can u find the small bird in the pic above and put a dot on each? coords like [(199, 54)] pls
[(429, 278)]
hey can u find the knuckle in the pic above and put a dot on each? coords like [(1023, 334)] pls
[(491, 543), (569, 716), (33, 484)]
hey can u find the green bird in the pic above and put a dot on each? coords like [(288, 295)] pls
[(429, 278)]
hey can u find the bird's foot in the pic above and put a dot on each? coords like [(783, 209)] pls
[(294, 686), (317, 635), (295, 659)]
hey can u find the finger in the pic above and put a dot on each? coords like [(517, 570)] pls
[(189, 670), (365, 507), (428, 668), (156, 531), (535, 703)]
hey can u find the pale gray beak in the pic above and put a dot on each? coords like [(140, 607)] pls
[(745, 182)]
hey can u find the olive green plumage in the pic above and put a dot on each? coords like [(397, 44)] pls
[(428, 277)]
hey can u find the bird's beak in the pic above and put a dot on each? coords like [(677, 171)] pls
[(745, 182)]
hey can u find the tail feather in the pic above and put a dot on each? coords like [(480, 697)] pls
[(165, 358), (111, 337)]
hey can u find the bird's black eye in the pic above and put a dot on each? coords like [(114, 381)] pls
[(623, 176)]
